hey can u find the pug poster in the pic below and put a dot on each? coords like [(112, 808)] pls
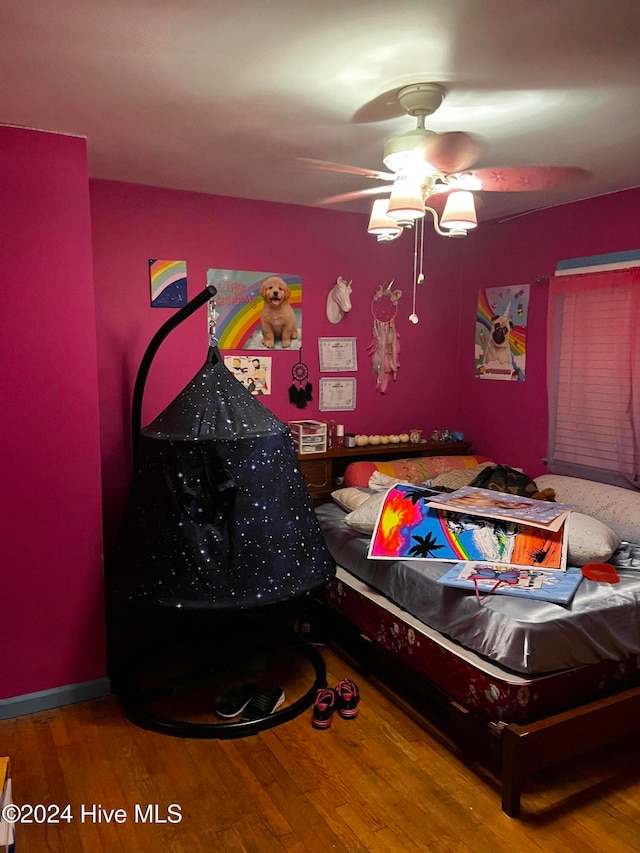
[(501, 333)]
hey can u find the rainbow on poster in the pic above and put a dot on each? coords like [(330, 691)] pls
[(500, 359), (238, 307), (168, 280), (402, 519)]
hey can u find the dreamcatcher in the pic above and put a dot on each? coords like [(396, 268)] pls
[(385, 344), (298, 395)]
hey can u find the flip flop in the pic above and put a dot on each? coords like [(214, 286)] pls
[(601, 572), (263, 704), (235, 700)]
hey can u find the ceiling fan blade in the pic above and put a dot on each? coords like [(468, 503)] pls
[(451, 152), (337, 199), (342, 169), (381, 108), (526, 178)]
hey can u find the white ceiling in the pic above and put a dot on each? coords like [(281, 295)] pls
[(229, 96)]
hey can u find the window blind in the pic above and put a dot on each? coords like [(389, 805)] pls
[(594, 375)]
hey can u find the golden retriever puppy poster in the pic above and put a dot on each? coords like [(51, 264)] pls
[(255, 310)]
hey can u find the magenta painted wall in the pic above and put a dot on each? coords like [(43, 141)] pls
[(133, 223), (508, 421), (436, 386), (51, 606), (64, 355)]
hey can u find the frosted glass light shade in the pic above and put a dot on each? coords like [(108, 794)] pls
[(381, 224), (406, 203), (459, 211)]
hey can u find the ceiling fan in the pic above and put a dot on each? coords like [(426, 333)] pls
[(424, 165)]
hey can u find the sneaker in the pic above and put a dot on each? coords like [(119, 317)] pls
[(263, 704), (235, 700), (347, 698), (323, 708)]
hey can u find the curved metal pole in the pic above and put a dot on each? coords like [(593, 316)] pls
[(136, 406)]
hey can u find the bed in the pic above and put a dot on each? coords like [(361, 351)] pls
[(543, 681)]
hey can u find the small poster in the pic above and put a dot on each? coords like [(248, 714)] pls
[(253, 373), (337, 354), (337, 395), (168, 281), (504, 506), (501, 333), (487, 579)]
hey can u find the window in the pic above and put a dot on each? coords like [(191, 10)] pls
[(594, 376)]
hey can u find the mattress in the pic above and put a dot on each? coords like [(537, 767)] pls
[(528, 637), (491, 693)]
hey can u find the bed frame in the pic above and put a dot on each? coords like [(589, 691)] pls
[(601, 703), (527, 749), (519, 750)]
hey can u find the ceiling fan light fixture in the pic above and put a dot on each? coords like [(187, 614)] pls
[(459, 212), (405, 153), (381, 224), (406, 203)]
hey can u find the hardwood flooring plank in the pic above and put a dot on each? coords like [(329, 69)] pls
[(252, 792), (382, 782)]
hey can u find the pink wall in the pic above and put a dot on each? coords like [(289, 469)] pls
[(508, 421), (54, 443), (133, 223), (436, 386), (51, 609)]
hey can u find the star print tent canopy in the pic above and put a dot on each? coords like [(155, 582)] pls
[(218, 515)]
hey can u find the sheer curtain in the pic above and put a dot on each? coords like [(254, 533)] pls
[(593, 363)]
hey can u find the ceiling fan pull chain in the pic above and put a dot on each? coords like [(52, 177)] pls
[(415, 265), (417, 278)]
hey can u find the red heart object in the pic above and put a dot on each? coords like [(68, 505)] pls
[(601, 572)]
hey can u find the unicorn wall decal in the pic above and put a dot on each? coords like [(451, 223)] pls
[(339, 300)]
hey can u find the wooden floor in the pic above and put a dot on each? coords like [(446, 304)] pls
[(382, 782)]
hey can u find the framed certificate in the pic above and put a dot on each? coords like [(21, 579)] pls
[(337, 354), (337, 395)]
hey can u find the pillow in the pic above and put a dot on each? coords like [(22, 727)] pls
[(589, 540), (351, 498), (378, 481), (365, 516), (457, 479), (359, 473), (616, 507), (415, 470)]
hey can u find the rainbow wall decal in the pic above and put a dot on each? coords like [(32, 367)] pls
[(238, 306), (168, 281)]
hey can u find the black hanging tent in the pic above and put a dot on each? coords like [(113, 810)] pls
[(218, 515)]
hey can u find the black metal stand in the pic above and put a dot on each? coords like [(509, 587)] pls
[(143, 371), (142, 641), (138, 710)]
